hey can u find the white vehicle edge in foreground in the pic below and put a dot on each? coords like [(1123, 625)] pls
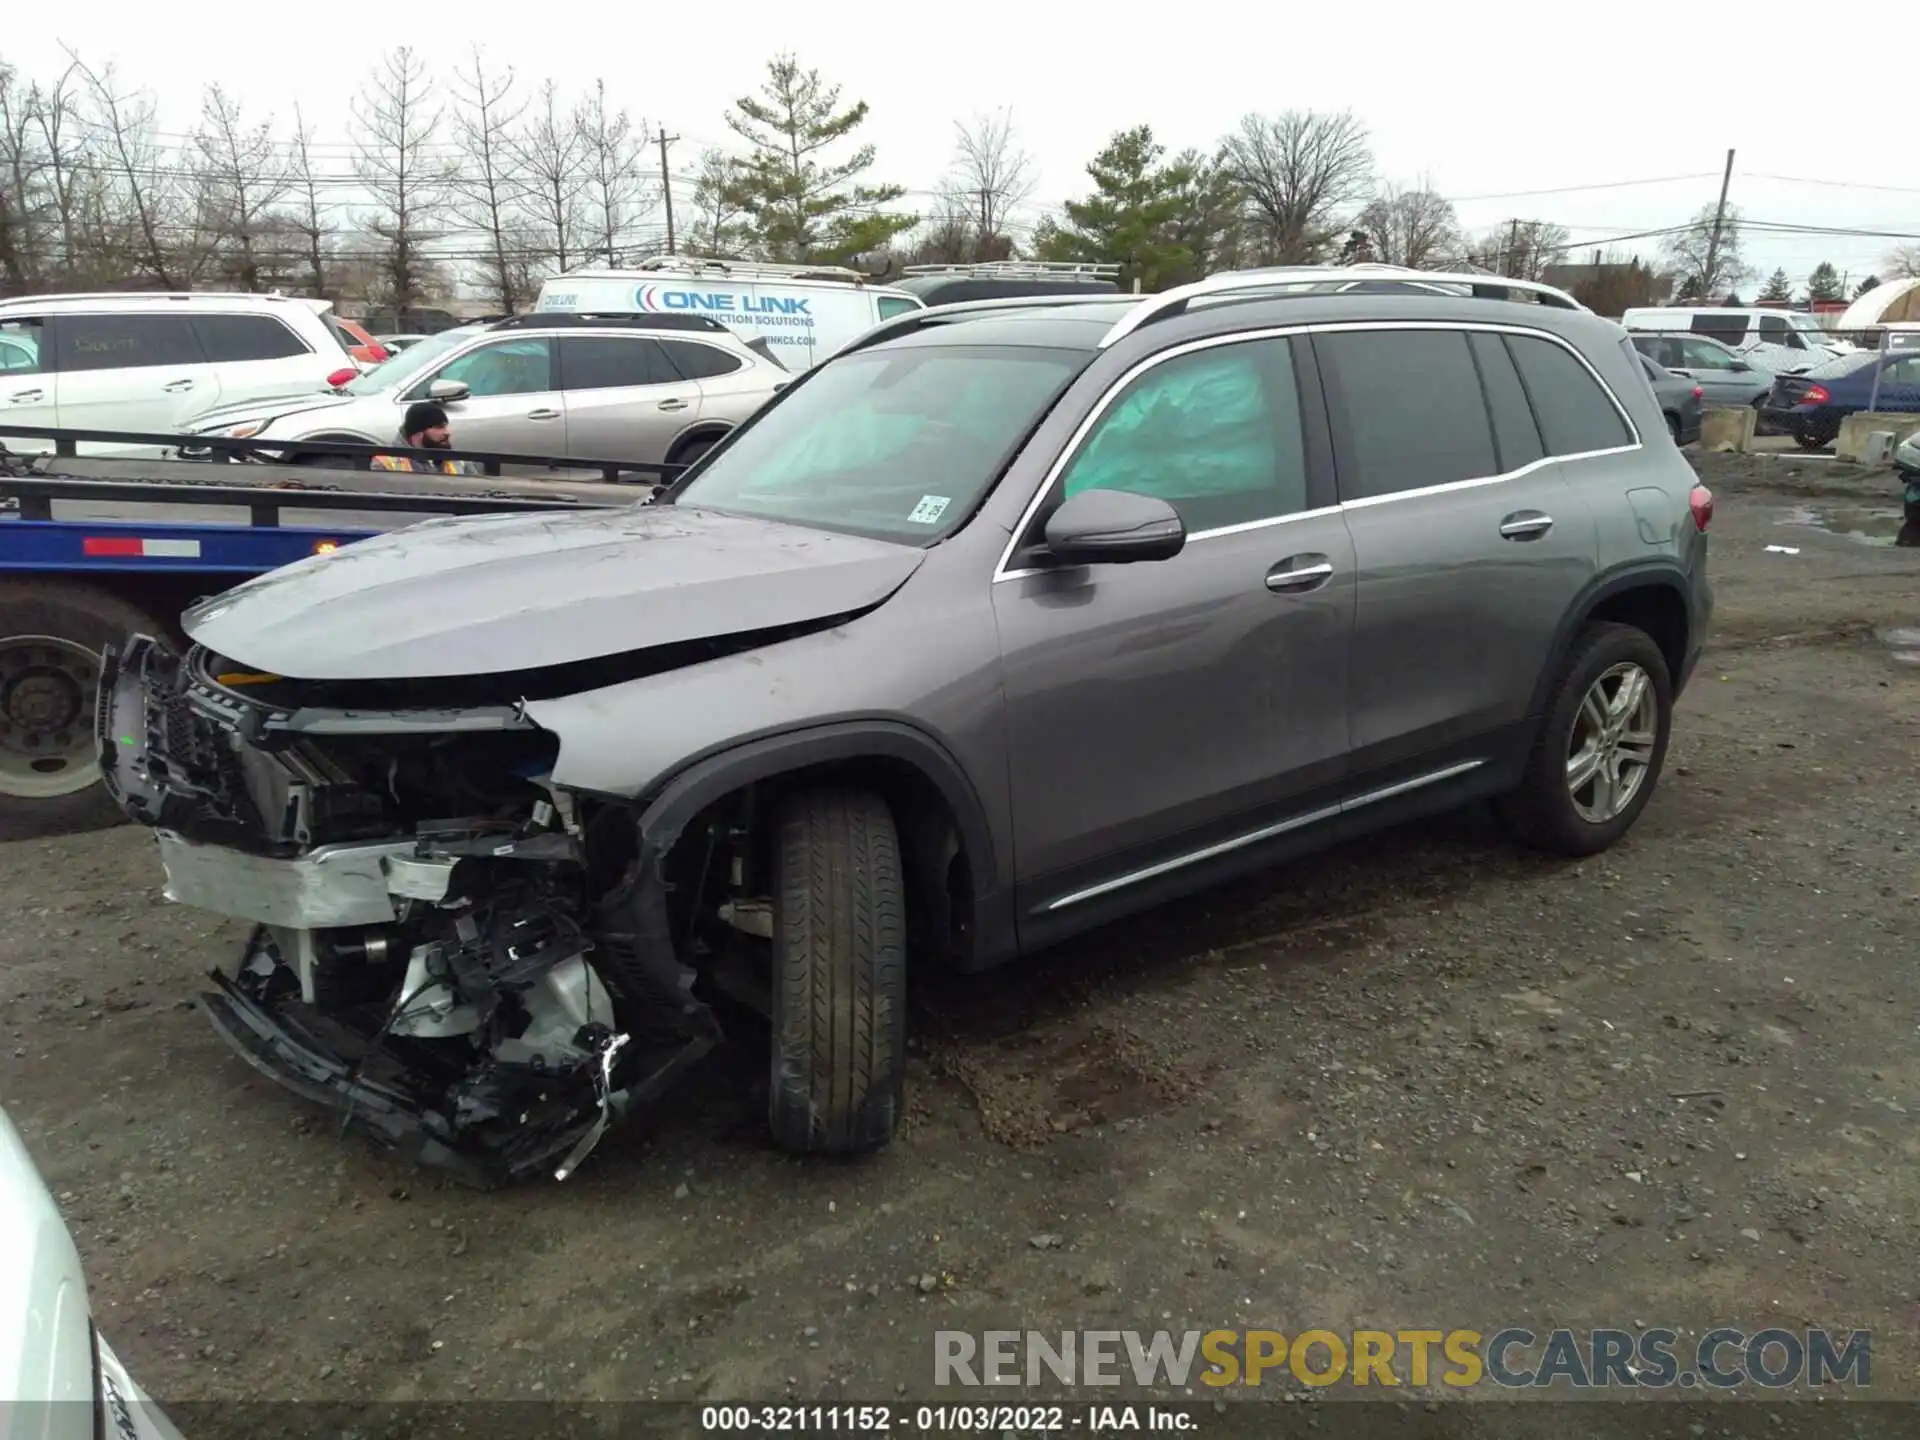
[(58, 1376)]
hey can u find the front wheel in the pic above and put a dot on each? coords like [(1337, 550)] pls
[(52, 634), (839, 981), (1600, 748)]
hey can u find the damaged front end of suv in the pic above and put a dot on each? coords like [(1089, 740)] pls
[(455, 951)]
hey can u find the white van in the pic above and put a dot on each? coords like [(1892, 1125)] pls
[(1785, 341), (798, 314)]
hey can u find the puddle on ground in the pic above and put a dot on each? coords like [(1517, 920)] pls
[(1904, 642), (1867, 524)]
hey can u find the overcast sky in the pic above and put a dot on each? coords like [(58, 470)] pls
[(1589, 117)]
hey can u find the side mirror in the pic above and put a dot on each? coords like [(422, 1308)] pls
[(1114, 527), (448, 390)]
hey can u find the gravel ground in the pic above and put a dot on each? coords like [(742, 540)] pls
[(1431, 1082)]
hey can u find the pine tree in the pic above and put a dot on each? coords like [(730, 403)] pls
[(1823, 285), (1134, 217), (1779, 290), (1872, 282)]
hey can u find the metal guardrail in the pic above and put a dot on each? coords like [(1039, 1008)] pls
[(67, 442), (36, 494)]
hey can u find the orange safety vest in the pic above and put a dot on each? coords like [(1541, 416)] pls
[(405, 463)]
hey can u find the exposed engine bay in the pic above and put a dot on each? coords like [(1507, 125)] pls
[(458, 957)]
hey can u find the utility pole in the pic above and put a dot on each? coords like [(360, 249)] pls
[(1513, 245), (666, 183), (1711, 278)]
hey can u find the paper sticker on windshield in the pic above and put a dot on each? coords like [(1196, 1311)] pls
[(930, 509)]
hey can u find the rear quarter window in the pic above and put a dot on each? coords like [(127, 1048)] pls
[(233, 338), (1576, 414)]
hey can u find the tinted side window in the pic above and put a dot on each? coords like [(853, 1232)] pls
[(1407, 410), (699, 362), (1515, 435), (245, 337), (124, 342), (1215, 433), (892, 305), (602, 362), (1575, 414), (1727, 329)]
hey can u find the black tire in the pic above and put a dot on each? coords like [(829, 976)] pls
[(687, 452), (1814, 439), (1541, 811), (839, 975), (85, 617), (1673, 426)]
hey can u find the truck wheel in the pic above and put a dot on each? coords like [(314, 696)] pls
[(839, 974), (51, 637), (1600, 748)]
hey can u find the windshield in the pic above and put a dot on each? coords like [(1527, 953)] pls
[(896, 444), (401, 369)]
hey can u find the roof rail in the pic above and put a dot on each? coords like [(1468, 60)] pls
[(588, 319), (765, 268), (123, 295), (966, 309), (1282, 281), (1019, 268)]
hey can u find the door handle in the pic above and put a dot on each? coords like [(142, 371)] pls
[(1299, 573), (673, 404), (25, 397), (177, 385), (1525, 525), (543, 414)]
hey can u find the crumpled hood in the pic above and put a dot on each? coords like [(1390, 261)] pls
[(266, 407), (488, 594)]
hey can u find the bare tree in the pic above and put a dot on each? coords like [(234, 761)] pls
[(145, 196), (1703, 268), (1522, 249), (1903, 262), (22, 185), (549, 152), (1302, 172), (713, 230), (1412, 227), (242, 179), (400, 169), (989, 177), (616, 196), (489, 188), (306, 220)]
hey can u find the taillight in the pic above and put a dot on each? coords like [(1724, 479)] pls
[(379, 354), (1816, 395), (1698, 392), (342, 377), (1700, 502)]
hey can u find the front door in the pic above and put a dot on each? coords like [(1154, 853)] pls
[(625, 400), (1711, 368), (132, 373), (1160, 714), (1469, 544), (27, 384), (512, 406)]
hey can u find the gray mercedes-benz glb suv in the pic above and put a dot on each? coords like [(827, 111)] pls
[(1009, 620)]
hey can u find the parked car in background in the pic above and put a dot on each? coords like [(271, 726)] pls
[(802, 313), (59, 1379), (1006, 279), (1680, 401), (138, 362), (1810, 407), (1724, 376), (617, 387), (362, 346), (1786, 342)]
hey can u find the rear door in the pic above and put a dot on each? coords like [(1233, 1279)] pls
[(132, 371), (513, 404), (1469, 543), (730, 387), (28, 385), (624, 399), (255, 356)]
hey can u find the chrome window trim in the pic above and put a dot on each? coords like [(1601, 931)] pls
[(1094, 416), (1265, 832)]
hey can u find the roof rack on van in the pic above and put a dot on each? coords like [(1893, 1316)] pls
[(763, 269), (914, 320), (637, 319), (1012, 269), (1286, 281)]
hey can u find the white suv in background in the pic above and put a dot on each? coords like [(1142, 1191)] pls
[(138, 363)]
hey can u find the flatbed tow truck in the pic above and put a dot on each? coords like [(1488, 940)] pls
[(93, 549)]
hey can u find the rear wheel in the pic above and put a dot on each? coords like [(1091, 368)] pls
[(1815, 438), (51, 638), (690, 450), (1600, 748), (839, 981)]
